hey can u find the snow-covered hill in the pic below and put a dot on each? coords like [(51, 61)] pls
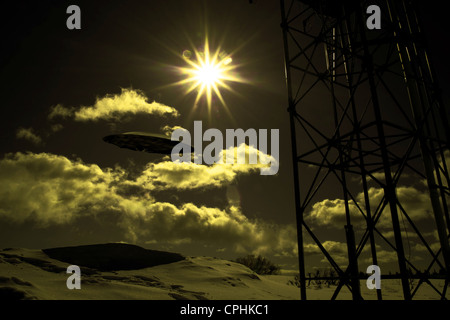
[(119, 271)]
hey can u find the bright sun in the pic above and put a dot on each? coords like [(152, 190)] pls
[(208, 74)]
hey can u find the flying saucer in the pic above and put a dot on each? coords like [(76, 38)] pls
[(143, 141)]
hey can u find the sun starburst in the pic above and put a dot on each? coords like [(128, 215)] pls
[(208, 73)]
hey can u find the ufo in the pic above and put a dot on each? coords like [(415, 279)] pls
[(144, 141)]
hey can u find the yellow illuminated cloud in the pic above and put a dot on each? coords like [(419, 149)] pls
[(45, 190), (114, 107)]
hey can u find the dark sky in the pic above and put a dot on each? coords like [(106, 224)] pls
[(135, 45)]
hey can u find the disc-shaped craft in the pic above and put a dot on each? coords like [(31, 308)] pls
[(142, 141)]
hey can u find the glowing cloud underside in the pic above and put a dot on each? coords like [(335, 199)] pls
[(208, 73)]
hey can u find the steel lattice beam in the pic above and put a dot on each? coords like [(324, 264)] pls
[(382, 122)]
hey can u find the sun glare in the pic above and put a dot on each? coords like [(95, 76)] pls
[(208, 73)]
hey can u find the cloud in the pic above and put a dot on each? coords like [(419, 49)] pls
[(56, 127), (411, 235), (224, 228), (337, 250), (167, 130), (46, 190), (189, 175), (415, 202), (167, 175), (339, 253), (419, 247), (49, 188), (60, 111), (385, 257), (183, 176), (333, 247), (331, 213), (28, 134), (114, 107)]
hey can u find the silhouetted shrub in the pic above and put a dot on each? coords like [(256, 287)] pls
[(296, 282), (259, 264), (317, 279)]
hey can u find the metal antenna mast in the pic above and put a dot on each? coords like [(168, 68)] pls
[(367, 124)]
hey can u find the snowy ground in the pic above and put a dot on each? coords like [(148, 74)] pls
[(31, 274)]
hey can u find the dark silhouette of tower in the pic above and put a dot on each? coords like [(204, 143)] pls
[(367, 124)]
